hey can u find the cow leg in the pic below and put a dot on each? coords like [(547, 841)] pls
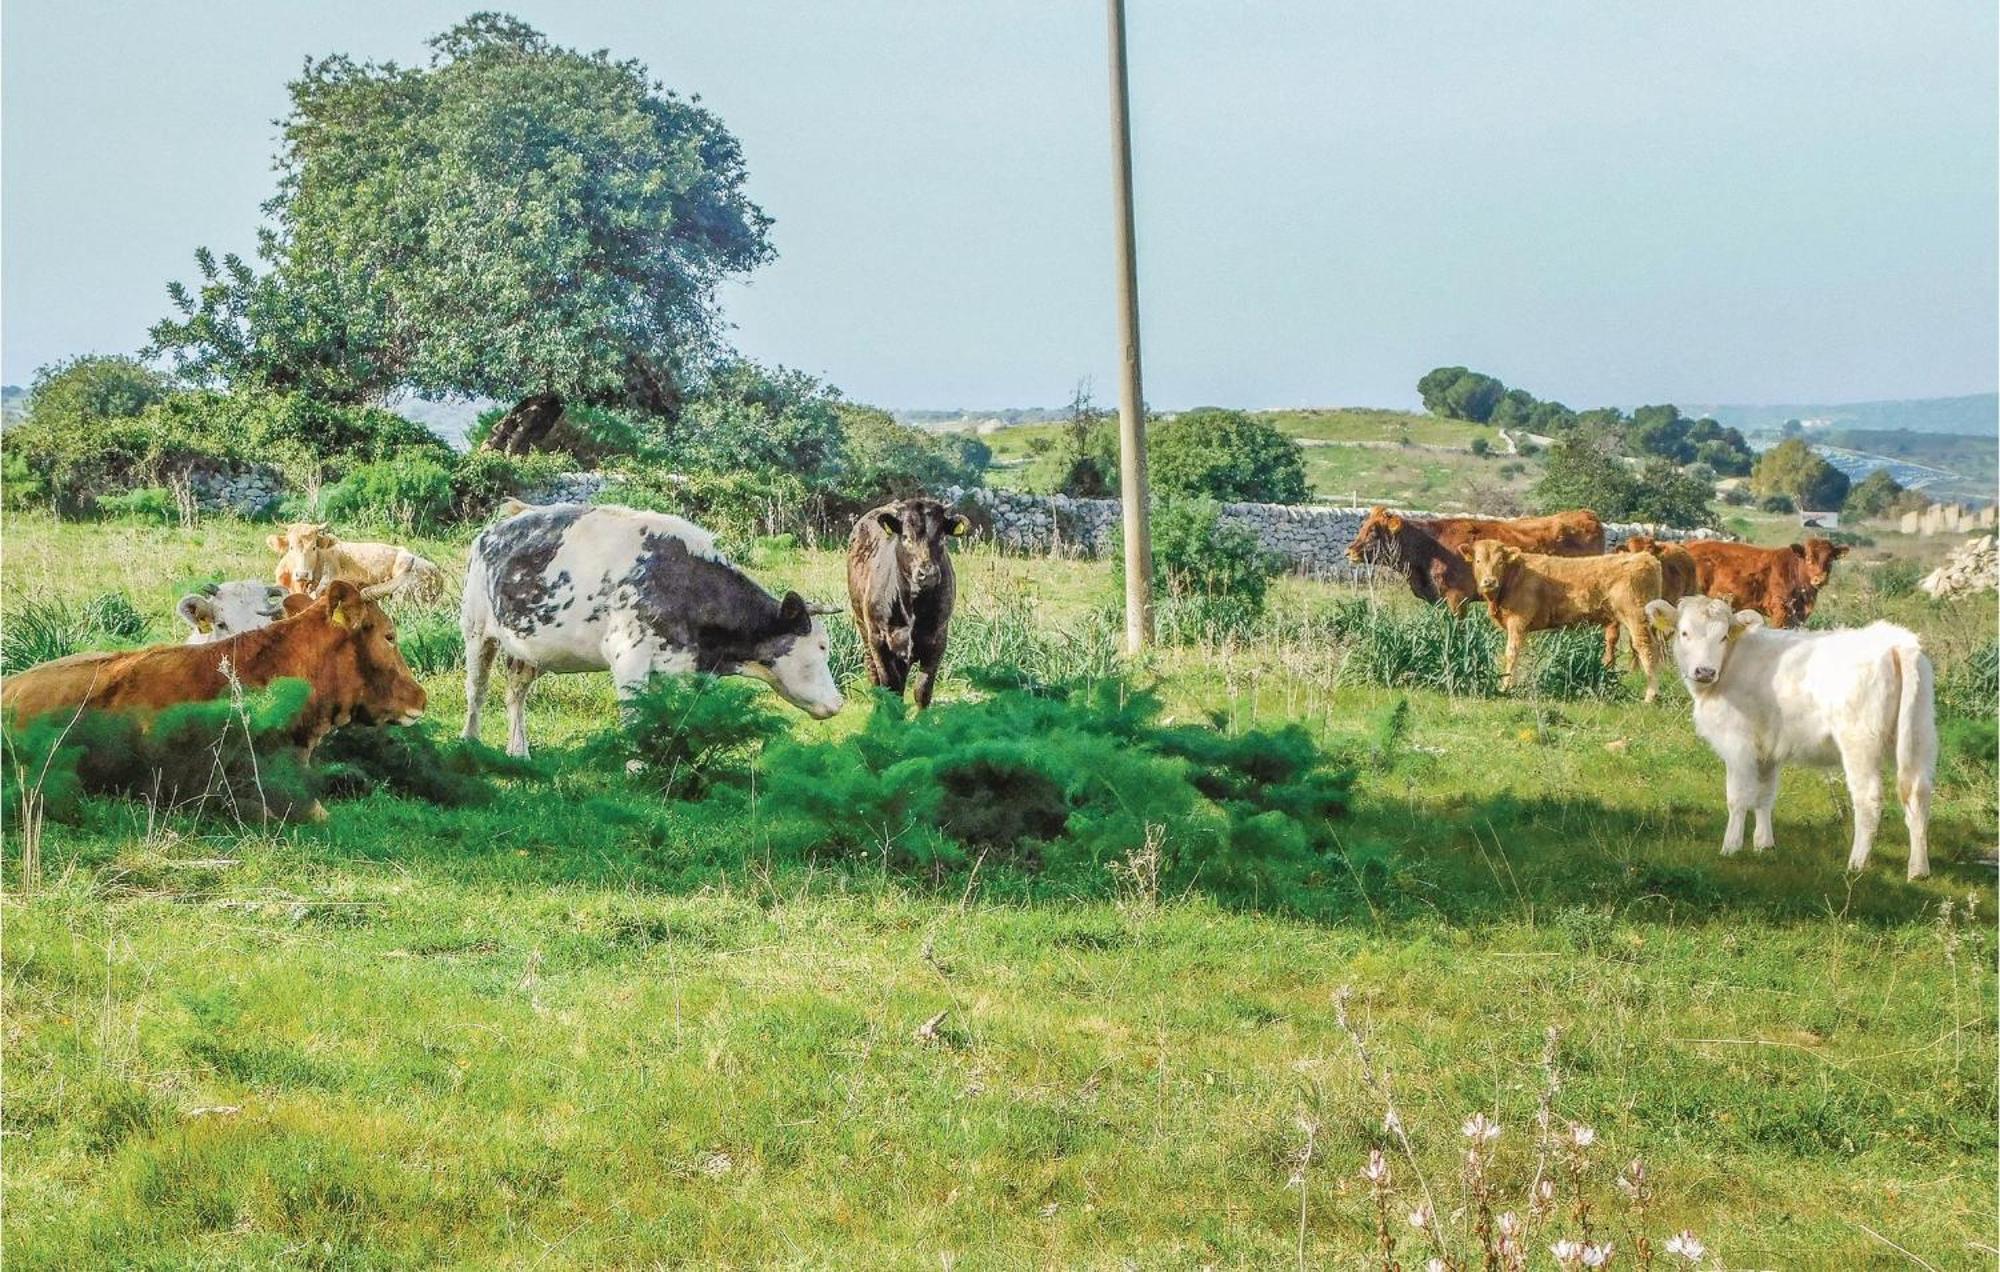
[(520, 675), (1863, 765), (1611, 647), (1740, 788), (1767, 800), (1916, 795), (1516, 633), (479, 654), (927, 674), (1640, 633)]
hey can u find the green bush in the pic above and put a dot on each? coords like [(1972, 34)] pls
[(1060, 783), (738, 507), (414, 493), (588, 436), (683, 734), (408, 761), (1225, 455), (39, 631), (1781, 504), (1970, 686), (1214, 574), (1568, 664), (1897, 578), (881, 460), (146, 503), (1427, 649), (481, 478)]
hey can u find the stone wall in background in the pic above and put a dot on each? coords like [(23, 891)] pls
[(1948, 519), (245, 492), (1311, 538), (570, 488)]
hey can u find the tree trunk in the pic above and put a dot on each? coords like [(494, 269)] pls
[(526, 426)]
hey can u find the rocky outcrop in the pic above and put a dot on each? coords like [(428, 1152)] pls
[(1975, 567), (245, 491)]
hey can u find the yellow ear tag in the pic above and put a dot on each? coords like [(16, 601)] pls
[(339, 617)]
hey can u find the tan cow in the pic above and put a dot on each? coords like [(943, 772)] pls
[(310, 558), (1534, 593), (1678, 577)]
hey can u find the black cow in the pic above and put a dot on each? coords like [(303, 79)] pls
[(901, 588)]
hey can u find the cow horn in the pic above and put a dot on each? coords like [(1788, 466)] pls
[(822, 609)]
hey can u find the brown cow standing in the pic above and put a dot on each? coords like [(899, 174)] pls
[(1434, 572), (1575, 533), (1782, 584), (1677, 579), (901, 587), (342, 645), (1531, 592)]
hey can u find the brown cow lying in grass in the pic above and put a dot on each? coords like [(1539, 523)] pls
[(342, 645), (1575, 533), (1530, 592), (1677, 579), (1434, 572), (1782, 584), (310, 558)]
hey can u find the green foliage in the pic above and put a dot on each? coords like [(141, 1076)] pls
[(1458, 394), (37, 631), (1781, 504), (591, 215), (1082, 459), (1214, 573), (84, 392), (1896, 578), (738, 507), (683, 734), (1791, 468), (1481, 447), (146, 503), (481, 478), (1060, 782), (1879, 494), (430, 639), (1425, 649), (1225, 455), (881, 460), (1667, 495), (1971, 686), (415, 493), (408, 761), (224, 758), (748, 418), (1569, 665), (1583, 471), (589, 437)]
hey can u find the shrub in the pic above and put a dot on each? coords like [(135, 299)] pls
[(414, 493), (1427, 649), (588, 436), (1781, 504), (881, 460), (410, 762), (1970, 686), (683, 734), (146, 503), (481, 478), (1480, 447), (80, 393), (38, 631), (1215, 572), (1897, 578), (738, 507), (1225, 455), (1793, 469)]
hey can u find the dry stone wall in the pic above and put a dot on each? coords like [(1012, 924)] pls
[(245, 492), (1973, 567), (1312, 538)]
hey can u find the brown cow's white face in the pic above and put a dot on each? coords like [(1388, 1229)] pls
[(1701, 631)]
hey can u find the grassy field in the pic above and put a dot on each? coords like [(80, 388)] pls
[(1358, 454), (576, 1027)]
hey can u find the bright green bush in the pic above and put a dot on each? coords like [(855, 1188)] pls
[(1225, 455), (414, 493), (1214, 575), (145, 503), (1426, 649), (481, 478), (683, 734), (38, 631), (738, 507)]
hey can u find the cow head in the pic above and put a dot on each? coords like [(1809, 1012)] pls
[(388, 692), (301, 549), (1641, 543), (1819, 556), (918, 529), (1376, 542), (1701, 631), (792, 657), (217, 611), (1491, 563)]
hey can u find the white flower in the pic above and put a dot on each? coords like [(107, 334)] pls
[(1567, 1252), (1581, 1136), (1686, 1245), (1545, 1191), (1421, 1217), (1390, 1122), (1509, 1224), (1597, 1256), (1479, 1128), (1377, 1169)]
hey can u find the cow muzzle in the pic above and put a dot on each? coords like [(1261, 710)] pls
[(1703, 675)]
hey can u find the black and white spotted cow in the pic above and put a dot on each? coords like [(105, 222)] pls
[(569, 587)]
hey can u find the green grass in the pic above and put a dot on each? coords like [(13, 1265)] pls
[(579, 1026)]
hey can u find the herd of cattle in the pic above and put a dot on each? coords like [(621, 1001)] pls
[(571, 587)]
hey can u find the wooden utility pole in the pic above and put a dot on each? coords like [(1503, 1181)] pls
[(1131, 393)]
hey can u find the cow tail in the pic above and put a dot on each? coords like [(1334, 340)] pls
[(1916, 721)]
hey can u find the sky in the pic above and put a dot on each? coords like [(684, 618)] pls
[(1707, 201)]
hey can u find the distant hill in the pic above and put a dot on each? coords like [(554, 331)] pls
[(13, 403), (1976, 414)]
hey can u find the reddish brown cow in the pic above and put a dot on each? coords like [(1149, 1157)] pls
[(1782, 584), (1677, 579), (342, 645), (1434, 573), (1576, 533)]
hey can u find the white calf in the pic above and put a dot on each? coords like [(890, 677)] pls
[(1763, 698)]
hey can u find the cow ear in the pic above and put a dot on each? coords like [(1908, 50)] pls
[(1661, 615), (958, 526), (274, 542), (343, 599), (1799, 550), (1395, 523), (296, 603), (198, 613), (1839, 551), (794, 615), (1742, 621), (890, 522), (1465, 550)]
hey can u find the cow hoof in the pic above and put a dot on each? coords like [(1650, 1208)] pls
[(1916, 874), (1730, 850)]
